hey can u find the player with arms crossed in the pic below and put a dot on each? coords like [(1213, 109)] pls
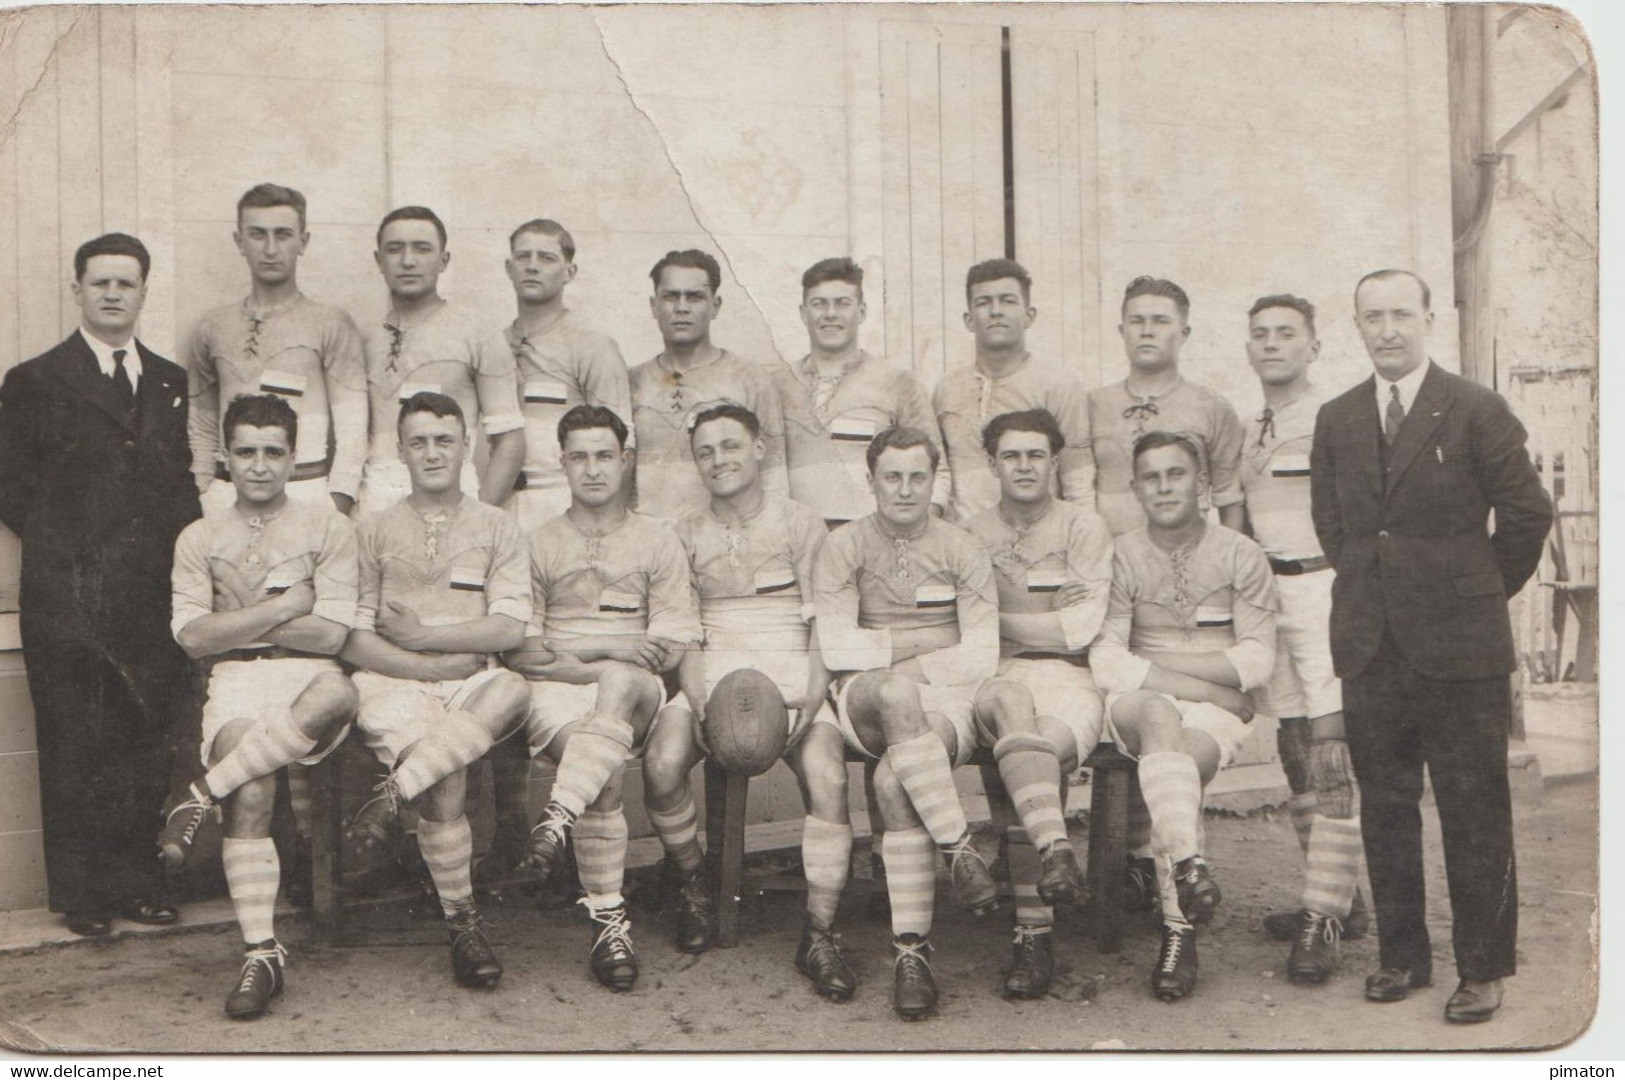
[(1154, 396), (1052, 565), (429, 344), (614, 610), (1005, 377), (907, 615), (279, 341), (838, 397), (752, 558), (444, 584), (689, 375), (1189, 629), (1304, 692), (265, 591)]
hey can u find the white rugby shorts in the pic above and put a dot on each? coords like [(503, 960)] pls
[(955, 704), (258, 690), (554, 706), (1226, 729), (1065, 691), (1303, 682), (395, 713)]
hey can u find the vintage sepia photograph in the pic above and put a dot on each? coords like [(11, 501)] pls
[(808, 527)]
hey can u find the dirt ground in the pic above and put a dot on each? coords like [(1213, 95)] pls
[(163, 993)]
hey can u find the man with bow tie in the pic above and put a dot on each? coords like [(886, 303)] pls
[(95, 478)]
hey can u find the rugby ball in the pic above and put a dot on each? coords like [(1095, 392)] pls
[(746, 722)]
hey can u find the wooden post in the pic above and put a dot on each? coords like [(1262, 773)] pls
[(1468, 31)]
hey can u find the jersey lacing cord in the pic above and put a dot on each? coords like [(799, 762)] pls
[(397, 338), (1140, 412), (433, 526), (256, 526), (251, 347), (1266, 425), (902, 552)]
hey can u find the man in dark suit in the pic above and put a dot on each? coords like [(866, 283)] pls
[(1405, 470), (94, 477)]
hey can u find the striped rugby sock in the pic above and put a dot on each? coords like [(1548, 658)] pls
[(601, 842), (1025, 870), (826, 859), (911, 879), (1139, 826), (590, 758), (1333, 869), (678, 830), (1173, 793), (252, 875), (268, 745), (1301, 809), (457, 740), (448, 851), (922, 767), (1032, 776)]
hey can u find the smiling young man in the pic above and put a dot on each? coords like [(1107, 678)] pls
[(563, 361), (1005, 377), (279, 341), (1303, 692), (265, 591), (1189, 629), (614, 611), (429, 344), (688, 376), (752, 559), (838, 397), (444, 586), (908, 619), (1154, 396), (1052, 565)]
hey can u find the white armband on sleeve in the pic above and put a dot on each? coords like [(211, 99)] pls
[(498, 425), (855, 649), (335, 611), (365, 619), (1253, 663), (1117, 670)]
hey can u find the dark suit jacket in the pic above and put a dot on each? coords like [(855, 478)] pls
[(96, 496), (1412, 548)]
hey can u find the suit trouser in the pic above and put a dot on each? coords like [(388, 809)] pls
[(105, 732), (1399, 720)]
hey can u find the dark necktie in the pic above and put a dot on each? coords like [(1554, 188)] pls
[(1393, 416), (121, 380)]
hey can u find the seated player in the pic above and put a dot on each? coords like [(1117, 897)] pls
[(907, 614), (444, 585), (1189, 629), (265, 590), (1052, 564), (614, 611), (752, 558)]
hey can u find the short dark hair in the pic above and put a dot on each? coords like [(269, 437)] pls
[(840, 268), (583, 417), (694, 259), (413, 213), (262, 411), (1037, 421), (998, 270), (547, 227), (1383, 275), (1146, 285), (113, 243), (727, 410), (265, 196), (1156, 440), (433, 403), (1286, 300), (901, 438)]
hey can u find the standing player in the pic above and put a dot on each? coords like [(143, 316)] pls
[(1303, 691), (278, 341), (614, 610), (1052, 564), (1006, 378), (752, 558), (428, 344), (443, 586), (265, 590), (838, 397), (908, 617), (563, 361), (690, 375), (1155, 397), (1189, 629)]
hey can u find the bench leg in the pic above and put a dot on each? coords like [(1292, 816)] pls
[(1108, 851), (327, 836), (725, 795)]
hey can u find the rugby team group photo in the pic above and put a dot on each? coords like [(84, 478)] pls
[(449, 539)]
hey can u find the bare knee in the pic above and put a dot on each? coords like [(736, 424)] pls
[(897, 702), (824, 786), (1061, 739), (609, 799), (890, 797), (668, 759), (508, 695), (227, 738), (248, 810), (446, 800), (1006, 706), (1148, 722)]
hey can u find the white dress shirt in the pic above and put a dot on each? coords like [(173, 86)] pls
[(104, 357), (1408, 386)]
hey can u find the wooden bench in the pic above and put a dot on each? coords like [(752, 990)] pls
[(1112, 780)]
